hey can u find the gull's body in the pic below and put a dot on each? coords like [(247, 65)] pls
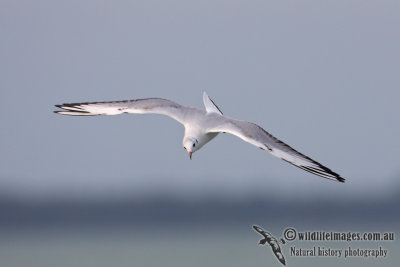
[(201, 126)]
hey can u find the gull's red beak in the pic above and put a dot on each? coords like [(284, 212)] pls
[(190, 155)]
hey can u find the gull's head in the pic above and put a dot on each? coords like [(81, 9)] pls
[(190, 144)]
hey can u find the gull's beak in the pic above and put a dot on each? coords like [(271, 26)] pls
[(190, 155)]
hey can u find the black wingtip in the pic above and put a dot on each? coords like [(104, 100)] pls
[(58, 111), (341, 179), (323, 172)]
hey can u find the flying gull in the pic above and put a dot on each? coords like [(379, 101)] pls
[(201, 126)]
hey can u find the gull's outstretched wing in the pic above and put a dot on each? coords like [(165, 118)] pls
[(139, 106), (255, 135)]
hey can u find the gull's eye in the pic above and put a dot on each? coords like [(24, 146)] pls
[(194, 145), (185, 148)]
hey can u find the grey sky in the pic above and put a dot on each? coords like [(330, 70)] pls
[(323, 77)]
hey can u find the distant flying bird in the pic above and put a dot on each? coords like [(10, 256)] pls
[(273, 242), (201, 126)]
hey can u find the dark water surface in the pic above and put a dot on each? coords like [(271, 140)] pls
[(175, 232)]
